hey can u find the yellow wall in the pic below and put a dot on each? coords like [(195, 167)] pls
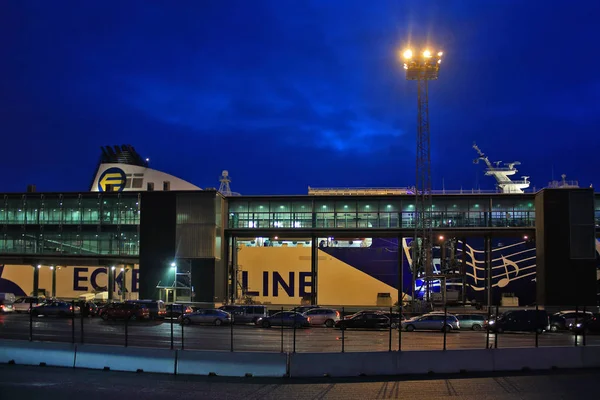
[(339, 284), (67, 286)]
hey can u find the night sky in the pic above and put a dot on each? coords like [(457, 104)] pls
[(290, 94)]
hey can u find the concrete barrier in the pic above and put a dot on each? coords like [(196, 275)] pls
[(539, 358), (191, 362), (590, 357), (448, 362), (125, 358), (37, 353)]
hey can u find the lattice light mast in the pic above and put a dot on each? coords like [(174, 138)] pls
[(422, 67)]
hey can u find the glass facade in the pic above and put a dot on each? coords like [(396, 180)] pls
[(83, 224), (365, 212)]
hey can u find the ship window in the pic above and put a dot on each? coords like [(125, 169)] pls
[(137, 183), (128, 183)]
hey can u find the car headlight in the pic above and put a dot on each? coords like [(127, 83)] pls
[(492, 322), (579, 325)]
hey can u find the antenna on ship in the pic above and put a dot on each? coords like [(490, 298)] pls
[(502, 173), (224, 188)]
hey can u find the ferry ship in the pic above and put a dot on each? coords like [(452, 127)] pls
[(351, 272)]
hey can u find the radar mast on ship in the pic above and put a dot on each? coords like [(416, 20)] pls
[(503, 182)]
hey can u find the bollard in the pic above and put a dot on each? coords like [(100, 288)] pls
[(171, 317), (231, 333), (390, 339), (487, 331), (81, 315), (445, 325), (281, 315), (343, 329), (30, 322), (496, 335), (72, 321)]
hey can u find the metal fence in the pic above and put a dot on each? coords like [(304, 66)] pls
[(169, 333)]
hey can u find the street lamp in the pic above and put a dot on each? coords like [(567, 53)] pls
[(174, 268)]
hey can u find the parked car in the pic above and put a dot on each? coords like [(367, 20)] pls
[(157, 308), (243, 314), (562, 320), (322, 316), (87, 308), (475, 322), (6, 307), (24, 303), (55, 307), (588, 325), (129, 311), (207, 316), (284, 318), (303, 309), (364, 320), (176, 310), (432, 322), (520, 320)]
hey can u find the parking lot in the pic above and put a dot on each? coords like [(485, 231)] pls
[(252, 338)]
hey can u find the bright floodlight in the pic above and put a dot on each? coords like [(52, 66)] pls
[(423, 64), (173, 264)]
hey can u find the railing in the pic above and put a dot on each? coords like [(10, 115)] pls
[(486, 328)]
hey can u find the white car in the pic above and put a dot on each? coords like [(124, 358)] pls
[(24, 303)]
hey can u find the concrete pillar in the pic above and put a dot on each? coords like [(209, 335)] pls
[(314, 269), (234, 269), (400, 271), (111, 282)]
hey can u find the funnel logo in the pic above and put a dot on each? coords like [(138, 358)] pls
[(112, 176)]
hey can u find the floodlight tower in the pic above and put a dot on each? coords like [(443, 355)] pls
[(422, 67)]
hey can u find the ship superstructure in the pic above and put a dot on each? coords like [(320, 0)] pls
[(502, 173)]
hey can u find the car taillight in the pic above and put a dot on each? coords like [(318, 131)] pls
[(308, 319), (70, 308), (337, 313)]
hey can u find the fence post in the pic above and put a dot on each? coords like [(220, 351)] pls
[(496, 335), (487, 330), (81, 315), (281, 315), (390, 339), (295, 323), (576, 320), (182, 330), (171, 318), (445, 325), (583, 325), (343, 329), (537, 318), (30, 322), (72, 321), (231, 333), (400, 328)]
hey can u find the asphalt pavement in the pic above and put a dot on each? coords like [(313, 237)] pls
[(252, 338), (24, 383)]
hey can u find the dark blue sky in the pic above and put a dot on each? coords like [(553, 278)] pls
[(287, 94)]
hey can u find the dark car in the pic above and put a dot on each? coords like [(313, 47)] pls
[(55, 307), (564, 319), (176, 310), (520, 321), (87, 308), (588, 325), (243, 314), (284, 318), (365, 320), (126, 311), (157, 308)]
